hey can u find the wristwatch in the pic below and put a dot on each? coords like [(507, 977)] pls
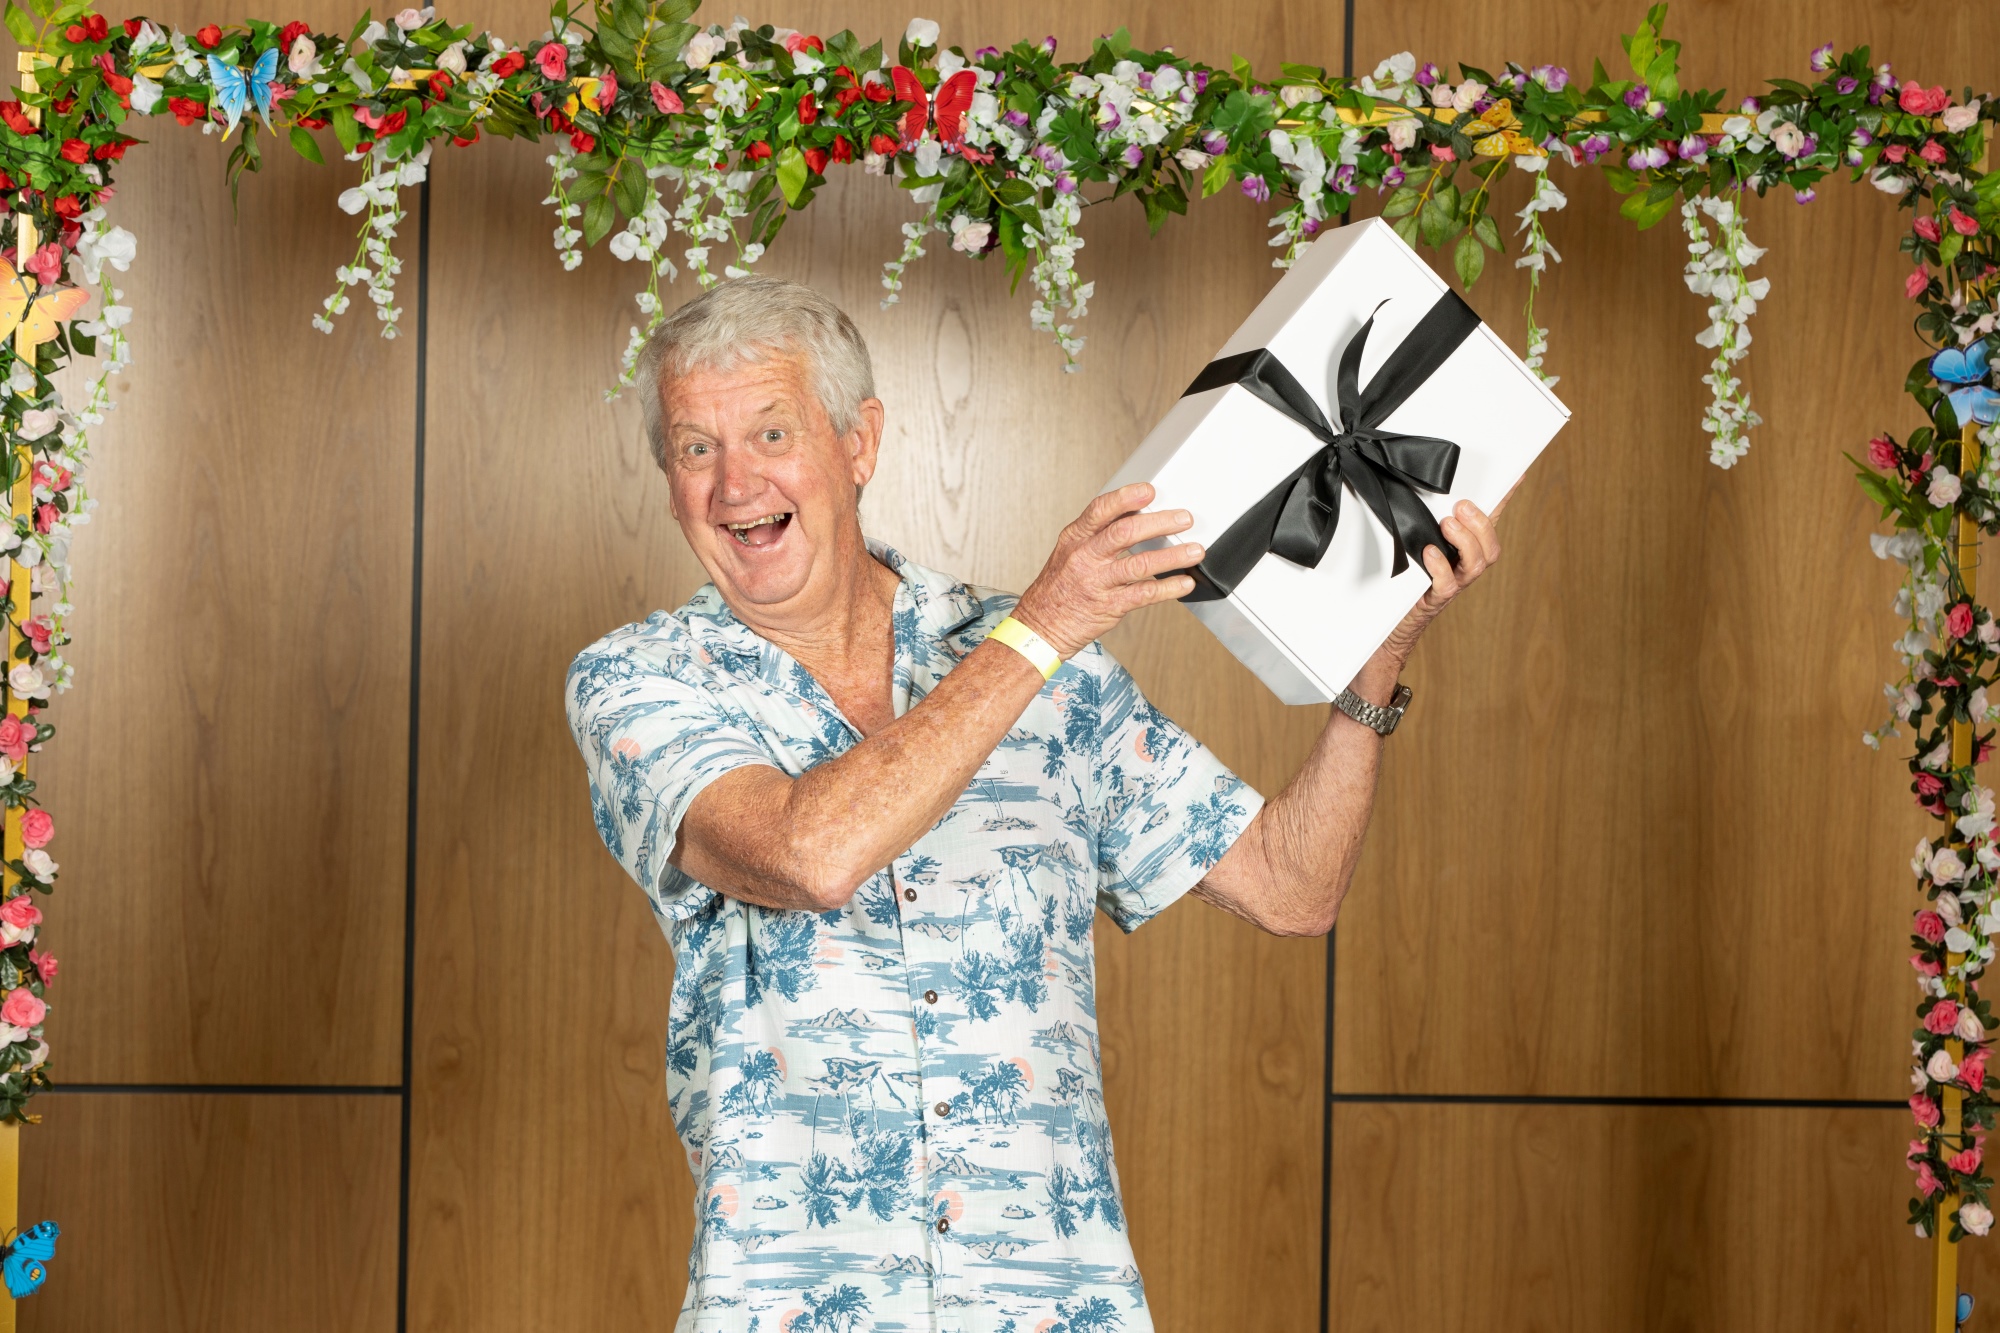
[(1373, 716)]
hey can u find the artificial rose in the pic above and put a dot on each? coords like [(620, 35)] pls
[(1963, 224), (43, 963), (970, 237), (758, 152), (186, 110), (702, 49), (1921, 101), (1959, 119), (1970, 1028), (808, 109), (1403, 133), (582, 141), (452, 60), (1926, 226), (816, 158), (1916, 284), (1945, 867), (410, 20), (607, 91), (37, 422), (553, 60), (1927, 1181), (1944, 488), (41, 634), (1942, 1018), (291, 32), (1882, 453), (1788, 139), (21, 913), (1975, 1217), (1932, 152), (1948, 909), (1958, 620), (23, 1008), (1940, 1066), (1973, 1072), (882, 144), (14, 738), (37, 827), (667, 100), (74, 150), (843, 150), (439, 85), (1925, 1110), (1930, 927), (208, 37), (40, 864), (513, 62)]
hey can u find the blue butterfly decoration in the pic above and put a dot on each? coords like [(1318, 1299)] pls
[(235, 89), (1964, 1310), (26, 1263), (1968, 368)]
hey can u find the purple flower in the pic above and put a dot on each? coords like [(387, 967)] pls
[(1750, 107), (1310, 226), (1862, 136), (1854, 158), (1048, 45), (1108, 117), (1637, 96), (1255, 187), (1342, 179), (1846, 84), (1146, 80), (1215, 143), (1200, 81), (1064, 185), (1596, 146), (1428, 75), (1694, 148), (1552, 77), (1482, 106), (1804, 196), (1392, 177), (1133, 155), (1018, 119), (985, 51), (1518, 82), (1822, 58), (1652, 155)]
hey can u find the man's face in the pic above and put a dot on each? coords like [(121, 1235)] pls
[(763, 488)]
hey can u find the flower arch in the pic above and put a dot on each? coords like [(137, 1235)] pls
[(681, 144)]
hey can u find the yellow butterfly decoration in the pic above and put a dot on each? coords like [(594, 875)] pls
[(30, 316), (1498, 133)]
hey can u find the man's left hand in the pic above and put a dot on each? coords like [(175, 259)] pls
[(1478, 541)]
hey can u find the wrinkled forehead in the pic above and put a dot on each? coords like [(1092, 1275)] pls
[(754, 384)]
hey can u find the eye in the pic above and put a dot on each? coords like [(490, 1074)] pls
[(774, 436), (697, 451)]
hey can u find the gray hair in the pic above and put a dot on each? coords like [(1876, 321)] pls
[(746, 320)]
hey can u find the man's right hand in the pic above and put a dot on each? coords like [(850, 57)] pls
[(1093, 579)]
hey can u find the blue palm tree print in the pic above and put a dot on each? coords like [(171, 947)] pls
[(843, 1081)]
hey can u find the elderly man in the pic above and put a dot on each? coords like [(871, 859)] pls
[(876, 810)]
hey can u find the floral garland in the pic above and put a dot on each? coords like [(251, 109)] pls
[(664, 129)]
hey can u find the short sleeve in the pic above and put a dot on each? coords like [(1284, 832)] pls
[(651, 743), (1164, 807)]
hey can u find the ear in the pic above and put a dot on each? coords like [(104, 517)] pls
[(864, 442)]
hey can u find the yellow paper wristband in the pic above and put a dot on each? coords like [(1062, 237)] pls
[(1029, 645)]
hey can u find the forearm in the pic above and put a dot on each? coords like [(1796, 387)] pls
[(809, 842)]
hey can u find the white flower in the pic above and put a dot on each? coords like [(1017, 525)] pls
[(26, 680), (452, 60), (1788, 139), (40, 1055), (1948, 909), (40, 864), (701, 50), (1903, 546), (1976, 1218), (1192, 158), (1167, 81), (948, 64), (1958, 119), (1940, 1067), (1970, 1026), (353, 199), (1945, 866), (1958, 940), (409, 20), (625, 245), (1919, 1080), (1945, 487), (1403, 133), (1888, 182), (928, 154), (37, 422), (371, 34), (1296, 94), (921, 33), (145, 94), (1468, 95), (1398, 68), (970, 236), (1441, 96)]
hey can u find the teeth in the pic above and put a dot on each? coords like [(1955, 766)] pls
[(741, 531)]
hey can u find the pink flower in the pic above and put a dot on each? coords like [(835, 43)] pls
[(1942, 1018), (23, 1008), (1882, 453), (1443, 153), (1932, 152), (1930, 926), (14, 738), (1928, 785), (667, 100), (1925, 966), (47, 264), (37, 827), (1966, 1163), (20, 911), (1895, 152), (41, 634), (1927, 228), (1921, 101), (1964, 225), (1973, 1072), (44, 963), (607, 91), (1922, 1107), (1927, 1181), (553, 60), (1958, 620), (1914, 285)]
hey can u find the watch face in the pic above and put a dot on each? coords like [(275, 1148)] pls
[(1401, 698)]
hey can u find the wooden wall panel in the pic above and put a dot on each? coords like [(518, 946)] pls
[(1629, 842), (215, 1213), (1575, 1219), (228, 775), (548, 1187)]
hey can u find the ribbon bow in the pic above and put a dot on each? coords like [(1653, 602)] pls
[(1297, 517)]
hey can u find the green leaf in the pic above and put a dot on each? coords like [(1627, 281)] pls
[(1014, 193), (598, 216), (346, 128), (1406, 227), (792, 173), (1469, 259), (306, 146), (20, 25), (1645, 210), (1488, 231), (1948, 249), (629, 188), (1215, 177), (1401, 203), (1623, 179)]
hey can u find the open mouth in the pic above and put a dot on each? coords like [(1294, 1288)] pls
[(760, 532)]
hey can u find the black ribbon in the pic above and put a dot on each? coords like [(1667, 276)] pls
[(1297, 517)]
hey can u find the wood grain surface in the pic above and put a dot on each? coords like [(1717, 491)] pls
[(1629, 842), (228, 775), (547, 1185), (212, 1213)]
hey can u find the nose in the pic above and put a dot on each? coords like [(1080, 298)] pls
[(742, 477)]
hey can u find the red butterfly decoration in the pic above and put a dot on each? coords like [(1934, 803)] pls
[(954, 99)]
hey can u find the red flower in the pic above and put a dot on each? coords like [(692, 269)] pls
[(1882, 453), (1925, 1110), (1932, 152), (1917, 283), (463, 142), (1985, 752), (845, 98), (16, 120), (1929, 927), (208, 37), (1929, 785), (843, 150), (1966, 1163), (882, 144), (1973, 1072), (1958, 620), (808, 109), (113, 151), (559, 123), (291, 33), (132, 27), (94, 28), (553, 60), (1942, 1018), (511, 63), (798, 42), (1963, 225), (68, 207), (1927, 228), (875, 92), (392, 122), (46, 517), (313, 122), (440, 84), (74, 150), (6, 182), (758, 151), (1896, 152), (582, 140), (1921, 101), (113, 80), (816, 159)]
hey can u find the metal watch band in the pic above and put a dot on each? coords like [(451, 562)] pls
[(1375, 717)]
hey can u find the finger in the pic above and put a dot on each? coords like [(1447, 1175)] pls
[(1110, 505), (1481, 527), (1149, 564), (1154, 591), (1132, 529), (1444, 583), (1471, 555)]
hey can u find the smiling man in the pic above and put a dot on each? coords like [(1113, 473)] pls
[(876, 810)]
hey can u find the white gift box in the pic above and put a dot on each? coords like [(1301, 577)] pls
[(1305, 631)]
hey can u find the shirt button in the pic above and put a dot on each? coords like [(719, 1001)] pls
[(909, 895), (944, 1108), (944, 1225), (930, 997)]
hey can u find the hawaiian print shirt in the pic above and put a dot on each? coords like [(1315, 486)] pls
[(894, 1111)]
